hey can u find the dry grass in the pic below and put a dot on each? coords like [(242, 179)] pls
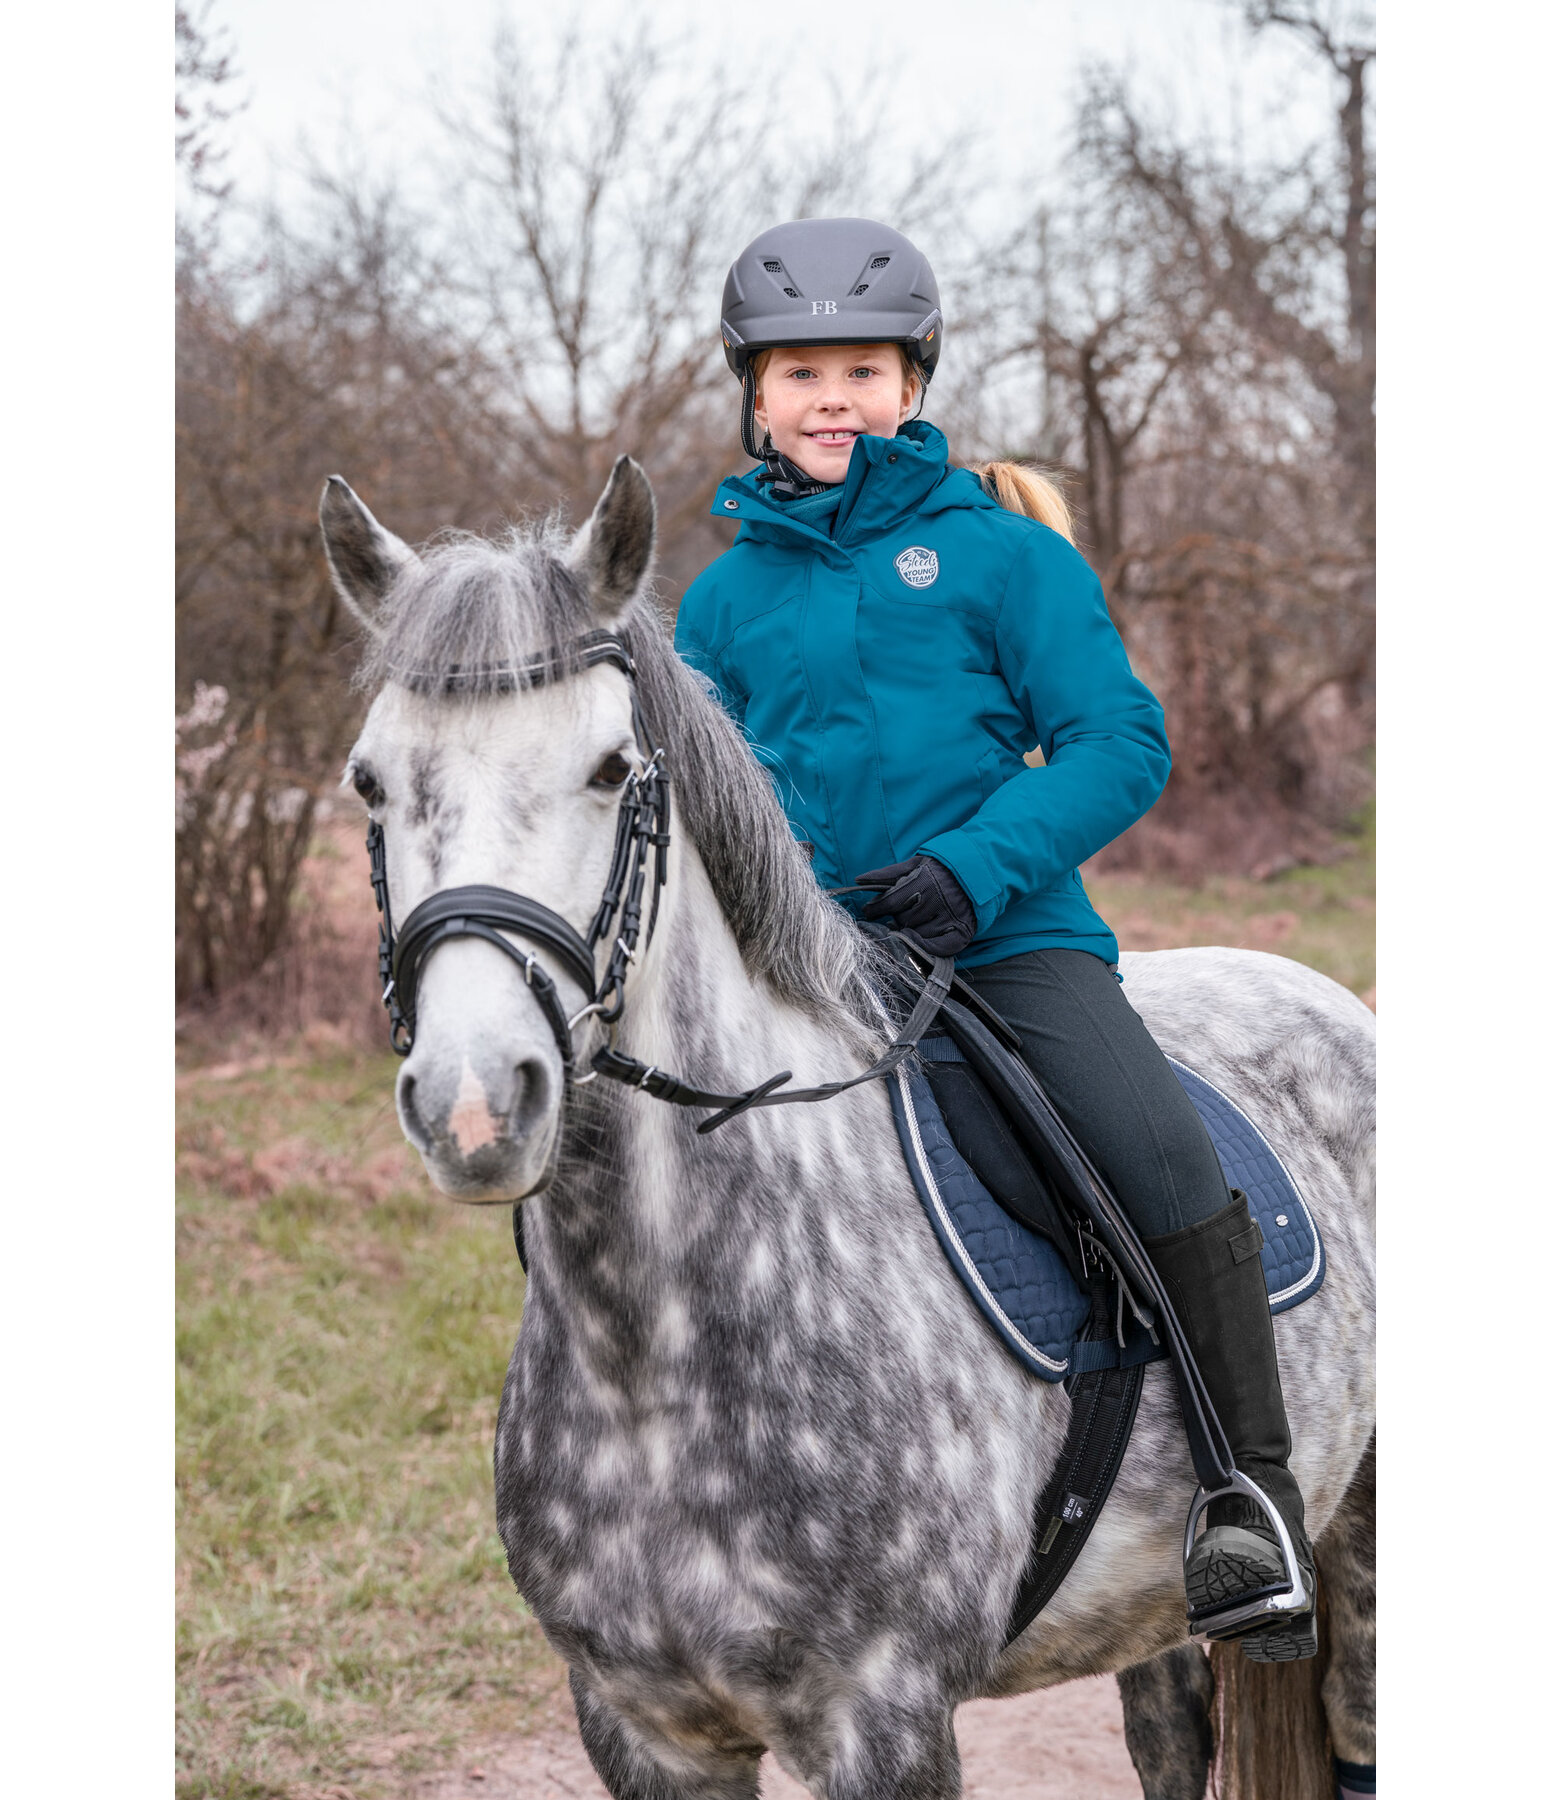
[(345, 1613)]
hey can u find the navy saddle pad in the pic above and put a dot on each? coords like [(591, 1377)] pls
[(1019, 1279)]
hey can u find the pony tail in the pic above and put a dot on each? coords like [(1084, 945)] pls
[(1034, 493)]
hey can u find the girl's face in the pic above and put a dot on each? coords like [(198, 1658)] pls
[(815, 402)]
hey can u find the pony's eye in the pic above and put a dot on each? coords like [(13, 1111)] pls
[(612, 772), (368, 787)]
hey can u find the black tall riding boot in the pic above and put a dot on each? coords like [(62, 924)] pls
[(1213, 1276)]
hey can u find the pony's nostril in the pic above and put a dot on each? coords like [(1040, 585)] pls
[(529, 1097), (408, 1114), (472, 1128)]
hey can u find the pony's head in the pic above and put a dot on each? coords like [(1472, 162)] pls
[(479, 776)]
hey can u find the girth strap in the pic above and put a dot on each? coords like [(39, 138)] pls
[(1103, 1411)]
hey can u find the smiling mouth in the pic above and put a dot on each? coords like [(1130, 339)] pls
[(832, 437)]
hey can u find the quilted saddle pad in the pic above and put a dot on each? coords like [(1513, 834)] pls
[(1018, 1278)]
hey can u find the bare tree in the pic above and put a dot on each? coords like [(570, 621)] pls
[(603, 193), (1195, 335), (484, 356), (1264, 245), (333, 354), (205, 66)]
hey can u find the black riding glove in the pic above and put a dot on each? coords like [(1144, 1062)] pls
[(924, 899)]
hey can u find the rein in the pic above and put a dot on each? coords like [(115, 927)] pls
[(489, 912)]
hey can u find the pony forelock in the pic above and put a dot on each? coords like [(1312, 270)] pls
[(471, 613)]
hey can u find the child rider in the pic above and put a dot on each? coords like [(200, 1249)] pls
[(893, 635)]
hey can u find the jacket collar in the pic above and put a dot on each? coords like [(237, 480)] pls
[(889, 480)]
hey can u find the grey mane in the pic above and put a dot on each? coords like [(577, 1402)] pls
[(465, 616)]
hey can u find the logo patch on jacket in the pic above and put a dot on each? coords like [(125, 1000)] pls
[(917, 565)]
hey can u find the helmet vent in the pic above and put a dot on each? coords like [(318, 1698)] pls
[(868, 275), (776, 270)]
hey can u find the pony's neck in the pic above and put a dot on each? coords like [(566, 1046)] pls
[(697, 1010), (645, 1207)]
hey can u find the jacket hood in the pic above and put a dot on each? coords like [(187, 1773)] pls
[(889, 480)]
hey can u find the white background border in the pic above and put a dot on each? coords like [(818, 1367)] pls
[(88, 927)]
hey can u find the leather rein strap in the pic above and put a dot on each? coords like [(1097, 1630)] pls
[(490, 912), (661, 1086)]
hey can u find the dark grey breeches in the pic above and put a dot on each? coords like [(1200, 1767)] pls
[(1103, 1070)]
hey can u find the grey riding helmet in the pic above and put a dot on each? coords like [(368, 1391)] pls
[(828, 281)]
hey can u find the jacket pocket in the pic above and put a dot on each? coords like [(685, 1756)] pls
[(991, 778)]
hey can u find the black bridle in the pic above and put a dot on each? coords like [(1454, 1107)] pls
[(489, 912)]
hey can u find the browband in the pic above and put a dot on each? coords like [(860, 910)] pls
[(588, 650)]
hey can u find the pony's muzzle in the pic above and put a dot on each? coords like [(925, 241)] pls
[(484, 1133)]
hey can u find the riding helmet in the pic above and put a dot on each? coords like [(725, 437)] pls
[(831, 281)]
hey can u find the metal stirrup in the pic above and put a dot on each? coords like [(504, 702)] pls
[(1279, 1601)]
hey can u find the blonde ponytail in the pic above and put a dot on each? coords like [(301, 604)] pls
[(1020, 488)]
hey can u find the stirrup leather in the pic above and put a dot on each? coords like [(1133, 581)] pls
[(1282, 1600)]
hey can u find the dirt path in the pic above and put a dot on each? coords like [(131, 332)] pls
[(1064, 1744)]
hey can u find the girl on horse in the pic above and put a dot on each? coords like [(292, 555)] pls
[(893, 635)]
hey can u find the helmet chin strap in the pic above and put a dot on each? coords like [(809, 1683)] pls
[(785, 480), (748, 403)]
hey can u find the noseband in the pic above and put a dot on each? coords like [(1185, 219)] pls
[(489, 912)]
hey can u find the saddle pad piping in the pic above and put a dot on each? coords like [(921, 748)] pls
[(967, 1267), (1313, 1273)]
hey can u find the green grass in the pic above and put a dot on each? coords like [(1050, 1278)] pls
[(1320, 916), (345, 1617), (345, 1612)]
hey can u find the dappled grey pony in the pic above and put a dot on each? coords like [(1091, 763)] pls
[(763, 1471)]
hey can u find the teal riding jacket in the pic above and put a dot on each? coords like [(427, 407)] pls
[(891, 663)]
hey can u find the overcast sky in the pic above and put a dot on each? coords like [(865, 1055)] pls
[(1006, 68)]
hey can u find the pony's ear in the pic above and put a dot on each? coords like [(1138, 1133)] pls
[(365, 559), (612, 551)]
